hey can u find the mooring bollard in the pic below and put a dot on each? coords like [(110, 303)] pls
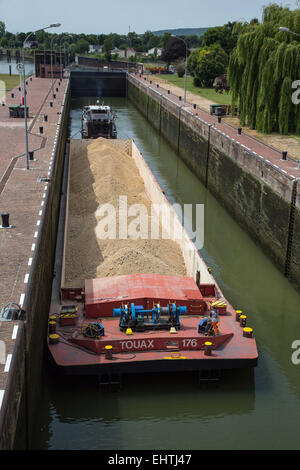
[(108, 352), (41, 130), (195, 106), (54, 96), (45, 117), (248, 333), (31, 154), (208, 348), (180, 98), (54, 339), (219, 119), (12, 95), (284, 155), (243, 321), (51, 104), (52, 327), (169, 92), (238, 314), (240, 130), (5, 219)]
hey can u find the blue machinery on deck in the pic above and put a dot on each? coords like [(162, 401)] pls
[(139, 319)]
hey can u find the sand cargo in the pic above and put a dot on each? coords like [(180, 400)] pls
[(124, 304)]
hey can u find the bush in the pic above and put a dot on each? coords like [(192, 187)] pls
[(180, 68), (207, 63)]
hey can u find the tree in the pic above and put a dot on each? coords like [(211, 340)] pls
[(81, 46), (225, 35), (263, 67), (180, 68), (107, 47), (174, 49), (207, 63), (2, 29)]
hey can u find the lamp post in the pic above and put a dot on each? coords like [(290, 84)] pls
[(51, 62), (186, 63), (60, 54), (287, 30), (56, 25)]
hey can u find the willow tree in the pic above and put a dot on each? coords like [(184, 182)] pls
[(262, 69)]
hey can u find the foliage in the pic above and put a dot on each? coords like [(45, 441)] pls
[(206, 63), (174, 49), (263, 67), (82, 46), (223, 35), (108, 47), (2, 28), (180, 68)]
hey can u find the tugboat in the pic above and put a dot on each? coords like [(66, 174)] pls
[(98, 121)]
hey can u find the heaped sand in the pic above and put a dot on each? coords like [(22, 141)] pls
[(100, 172)]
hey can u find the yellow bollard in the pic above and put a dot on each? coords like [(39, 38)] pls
[(208, 348), (248, 333), (108, 352)]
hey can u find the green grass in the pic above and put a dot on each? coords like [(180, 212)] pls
[(10, 82), (208, 93)]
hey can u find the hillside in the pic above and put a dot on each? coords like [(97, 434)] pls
[(181, 31)]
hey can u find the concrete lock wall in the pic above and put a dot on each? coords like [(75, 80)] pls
[(262, 198), (24, 381)]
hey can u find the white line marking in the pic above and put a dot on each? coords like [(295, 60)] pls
[(1, 397), (40, 212), (22, 299), (33, 247), (15, 331), (38, 222), (42, 203), (35, 234), (26, 278), (30, 262), (7, 364)]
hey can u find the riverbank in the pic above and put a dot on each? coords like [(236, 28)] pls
[(252, 180), (10, 82), (204, 98)]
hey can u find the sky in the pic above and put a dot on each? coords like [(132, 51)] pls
[(122, 16)]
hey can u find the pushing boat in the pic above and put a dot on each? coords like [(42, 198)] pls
[(98, 121), (118, 308)]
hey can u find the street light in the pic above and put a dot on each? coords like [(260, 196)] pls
[(287, 30), (186, 63), (56, 25), (60, 53), (51, 62)]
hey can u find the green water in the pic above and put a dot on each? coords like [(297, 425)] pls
[(258, 410)]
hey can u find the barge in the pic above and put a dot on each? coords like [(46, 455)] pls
[(138, 322)]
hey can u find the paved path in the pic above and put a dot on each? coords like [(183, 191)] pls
[(270, 154), (22, 195)]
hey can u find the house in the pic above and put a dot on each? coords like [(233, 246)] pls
[(95, 48), (152, 51), (30, 44), (119, 52), (129, 52)]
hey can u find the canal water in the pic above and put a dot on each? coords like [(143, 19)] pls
[(247, 410), (5, 63)]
